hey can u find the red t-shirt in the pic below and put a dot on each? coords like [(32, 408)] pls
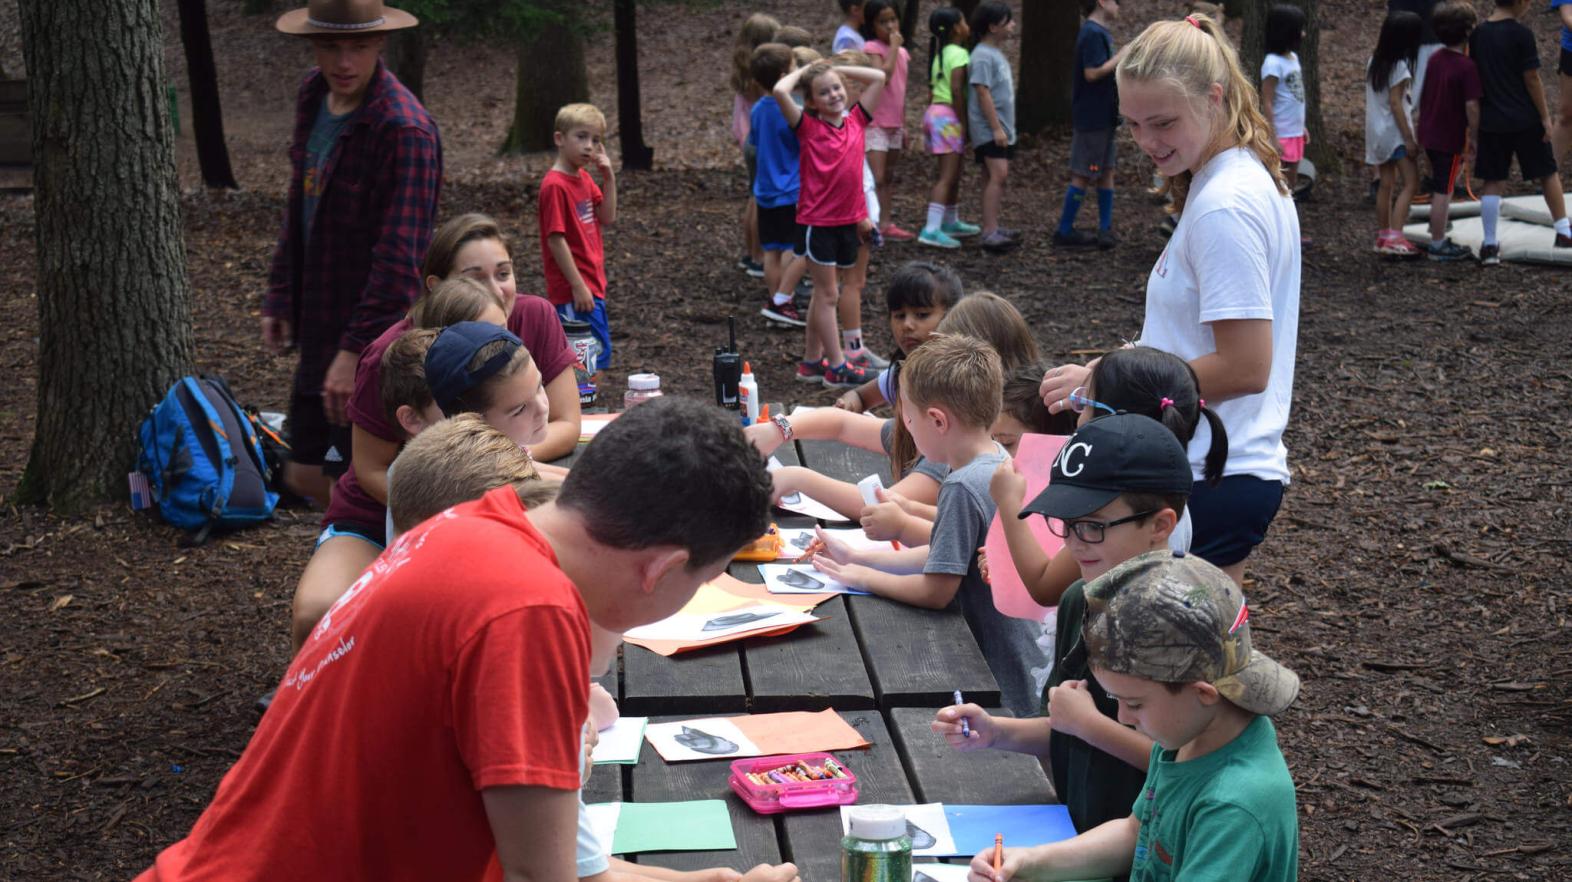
[(567, 206), (456, 663), (532, 319), (1451, 81), (832, 160)]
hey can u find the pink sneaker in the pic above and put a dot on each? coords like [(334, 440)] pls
[(891, 231), (1397, 245)]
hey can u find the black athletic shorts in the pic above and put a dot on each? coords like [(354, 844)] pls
[(990, 150), (313, 440), (829, 246), (1444, 169), (1565, 67), (778, 228), (1535, 159)]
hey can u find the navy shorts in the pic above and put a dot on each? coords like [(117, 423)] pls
[(1230, 519)]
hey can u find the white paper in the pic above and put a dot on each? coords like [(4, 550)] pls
[(692, 628), (705, 739), (940, 872), (801, 579), (795, 540), (621, 742), (603, 817), (925, 824), (802, 503), (869, 486)]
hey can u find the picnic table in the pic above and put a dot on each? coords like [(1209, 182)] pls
[(886, 667)]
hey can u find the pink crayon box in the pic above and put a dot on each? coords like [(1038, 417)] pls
[(774, 784)]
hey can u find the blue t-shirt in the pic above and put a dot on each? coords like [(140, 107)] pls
[(777, 181), (1093, 105), (1566, 32), (319, 149)]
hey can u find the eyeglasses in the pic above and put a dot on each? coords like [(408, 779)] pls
[(1079, 402), (1092, 532)]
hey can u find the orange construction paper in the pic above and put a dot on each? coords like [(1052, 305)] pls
[(800, 732), (724, 593)]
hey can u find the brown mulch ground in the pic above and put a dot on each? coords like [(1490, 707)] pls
[(1416, 578)]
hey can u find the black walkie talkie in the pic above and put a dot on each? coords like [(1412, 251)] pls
[(728, 369)]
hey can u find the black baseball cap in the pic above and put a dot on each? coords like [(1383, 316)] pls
[(1122, 453), (447, 361)]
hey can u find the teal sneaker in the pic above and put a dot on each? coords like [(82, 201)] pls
[(960, 229), (937, 239)]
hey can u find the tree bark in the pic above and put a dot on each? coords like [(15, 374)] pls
[(551, 73), (406, 57), (1252, 51), (1048, 30), (256, 7), (207, 116), (114, 305), (636, 155)]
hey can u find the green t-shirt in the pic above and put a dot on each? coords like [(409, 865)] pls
[(953, 57), (1228, 816)]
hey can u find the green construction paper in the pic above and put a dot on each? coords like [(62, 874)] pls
[(698, 825)]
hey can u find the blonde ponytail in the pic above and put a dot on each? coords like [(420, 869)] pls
[(1194, 53)]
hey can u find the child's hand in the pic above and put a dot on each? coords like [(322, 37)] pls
[(1008, 488), (1059, 382), (865, 231), (1000, 139), (947, 723), (765, 437), (886, 495), (895, 40), (785, 480), (835, 549), (981, 869), (849, 574), (884, 521), (850, 400), (982, 566), (767, 873), (583, 300), (1071, 709), (713, 874), (603, 162)]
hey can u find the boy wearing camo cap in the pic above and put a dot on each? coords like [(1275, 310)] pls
[(1169, 637)]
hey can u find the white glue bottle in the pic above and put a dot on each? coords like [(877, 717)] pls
[(748, 396)]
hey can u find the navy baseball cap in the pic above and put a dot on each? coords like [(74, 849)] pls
[(447, 361), (1111, 455)]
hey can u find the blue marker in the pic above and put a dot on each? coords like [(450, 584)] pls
[(966, 728)]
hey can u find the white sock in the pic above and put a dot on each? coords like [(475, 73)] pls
[(935, 217), (782, 298), (851, 342), (952, 213), (1564, 227), (1489, 213)]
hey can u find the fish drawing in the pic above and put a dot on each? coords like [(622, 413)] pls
[(792, 499), (921, 838), (800, 579), (699, 741), (721, 623), (803, 540)]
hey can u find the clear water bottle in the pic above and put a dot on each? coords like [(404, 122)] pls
[(641, 388), (876, 847)]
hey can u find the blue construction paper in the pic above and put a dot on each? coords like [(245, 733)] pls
[(974, 826)]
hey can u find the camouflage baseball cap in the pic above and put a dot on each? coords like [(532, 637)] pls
[(1177, 619)]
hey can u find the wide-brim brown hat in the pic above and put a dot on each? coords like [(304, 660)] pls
[(344, 18)]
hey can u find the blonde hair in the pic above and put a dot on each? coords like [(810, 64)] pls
[(572, 116), (1194, 54), (957, 373), (852, 58), (805, 55), (995, 321), (454, 461), (453, 301), (757, 30)]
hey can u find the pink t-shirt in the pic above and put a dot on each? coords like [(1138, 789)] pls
[(831, 157), (891, 112)]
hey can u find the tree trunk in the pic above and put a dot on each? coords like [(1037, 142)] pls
[(1252, 52), (636, 155), (256, 7), (551, 73), (909, 27), (207, 117), (1048, 29), (114, 306), (406, 57)]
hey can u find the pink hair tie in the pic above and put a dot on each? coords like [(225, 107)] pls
[(1202, 400), (1165, 404), (1193, 23)]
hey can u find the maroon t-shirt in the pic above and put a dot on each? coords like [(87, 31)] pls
[(1451, 81), (535, 323)]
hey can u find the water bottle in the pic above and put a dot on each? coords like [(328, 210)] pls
[(876, 847), (641, 388), (587, 350)]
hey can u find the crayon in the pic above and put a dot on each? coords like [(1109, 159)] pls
[(966, 727), (778, 778), (998, 854)]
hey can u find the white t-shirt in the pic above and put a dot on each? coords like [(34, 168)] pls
[(1382, 136), (1234, 255), (846, 37), (870, 192), (1288, 101)]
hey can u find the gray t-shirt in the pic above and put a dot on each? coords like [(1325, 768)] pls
[(1009, 645), (320, 145), (990, 68), (934, 470)]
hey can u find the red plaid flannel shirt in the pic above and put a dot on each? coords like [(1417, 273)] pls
[(360, 270)]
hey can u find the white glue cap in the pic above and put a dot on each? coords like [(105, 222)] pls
[(876, 822), (643, 382)]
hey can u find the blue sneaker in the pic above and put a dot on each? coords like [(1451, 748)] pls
[(936, 239), (960, 229)]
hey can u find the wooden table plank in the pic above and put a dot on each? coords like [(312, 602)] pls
[(812, 668), (812, 839), (655, 780), (698, 682), (844, 462), (918, 657), (940, 773)]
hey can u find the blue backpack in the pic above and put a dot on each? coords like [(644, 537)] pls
[(204, 461)]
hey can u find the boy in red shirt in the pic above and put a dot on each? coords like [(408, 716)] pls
[(572, 211), (430, 726), (1449, 119)]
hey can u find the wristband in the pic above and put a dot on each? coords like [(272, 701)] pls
[(784, 425)]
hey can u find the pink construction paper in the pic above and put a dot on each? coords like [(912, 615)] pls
[(1034, 457)]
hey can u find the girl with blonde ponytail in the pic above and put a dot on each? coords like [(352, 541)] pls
[(1224, 295)]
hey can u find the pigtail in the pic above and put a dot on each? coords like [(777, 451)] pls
[(1217, 454), (903, 450), (933, 57)]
